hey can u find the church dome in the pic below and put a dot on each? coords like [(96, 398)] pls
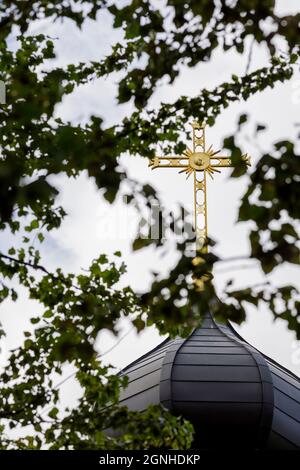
[(232, 393)]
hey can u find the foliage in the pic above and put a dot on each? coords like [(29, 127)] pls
[(35, 145)]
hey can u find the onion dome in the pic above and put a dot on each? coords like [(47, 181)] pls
[(232, 393)]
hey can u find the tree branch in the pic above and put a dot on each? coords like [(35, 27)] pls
[(26, 263)]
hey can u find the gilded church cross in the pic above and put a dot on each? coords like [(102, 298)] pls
[(198, 161)]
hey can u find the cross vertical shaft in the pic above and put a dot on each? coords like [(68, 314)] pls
[(200, 200)]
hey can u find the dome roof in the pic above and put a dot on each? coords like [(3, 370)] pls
[(232, 393)]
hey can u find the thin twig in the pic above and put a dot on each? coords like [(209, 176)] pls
[(37, 267), (26, 263), (235, 258), (235, 268), (250, 56)]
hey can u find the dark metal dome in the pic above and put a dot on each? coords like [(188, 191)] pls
[(233, 394)]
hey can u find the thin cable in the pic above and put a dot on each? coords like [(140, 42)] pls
[(59, 384), (98, 355)]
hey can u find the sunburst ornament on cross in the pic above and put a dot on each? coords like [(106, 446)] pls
[(198, 161)]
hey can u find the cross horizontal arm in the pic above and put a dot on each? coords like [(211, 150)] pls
[(222, 161), (169, 161)]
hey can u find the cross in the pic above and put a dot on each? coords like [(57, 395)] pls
[(198, 161)]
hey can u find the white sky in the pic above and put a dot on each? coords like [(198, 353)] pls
[(81, 237)]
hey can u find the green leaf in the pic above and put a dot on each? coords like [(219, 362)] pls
[(53, 413)]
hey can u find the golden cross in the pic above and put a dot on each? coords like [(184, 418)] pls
[(198, 162)]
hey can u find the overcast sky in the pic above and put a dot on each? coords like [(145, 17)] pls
[(87, 231)]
